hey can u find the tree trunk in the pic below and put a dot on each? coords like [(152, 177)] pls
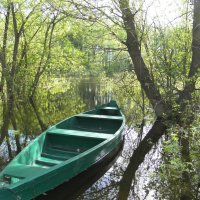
[(9, 70), (3, 58), (140, 68), (9, 148), (46, 50), (16, 135), (41, 123)]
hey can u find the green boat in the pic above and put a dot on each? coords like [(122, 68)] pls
[(62, 152)]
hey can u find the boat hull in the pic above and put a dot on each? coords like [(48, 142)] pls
[(78, 184), (62, 152)]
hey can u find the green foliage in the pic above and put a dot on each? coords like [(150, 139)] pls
[(83, 46), (63, 100), (168, 180), (127, 91), (169, 57)]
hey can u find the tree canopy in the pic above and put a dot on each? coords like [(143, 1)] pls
[(46, 40)]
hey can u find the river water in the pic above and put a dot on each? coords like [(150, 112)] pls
[(66, 98)]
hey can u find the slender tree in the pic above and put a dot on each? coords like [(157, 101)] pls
[(9, 68)]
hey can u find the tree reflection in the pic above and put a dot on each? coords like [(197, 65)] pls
[(74, 96)]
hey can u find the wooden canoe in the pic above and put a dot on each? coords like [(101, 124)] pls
[(62, 152)]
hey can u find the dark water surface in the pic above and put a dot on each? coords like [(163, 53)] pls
[(65, 99)]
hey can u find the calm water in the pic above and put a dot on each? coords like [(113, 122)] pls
[(66, 98)]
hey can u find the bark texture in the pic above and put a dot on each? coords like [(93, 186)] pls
[(140, 68)]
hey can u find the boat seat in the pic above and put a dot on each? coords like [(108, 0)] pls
[(57, 155), (45, 161), (80, 133), (109, 108), (22, 171), (100, 116)]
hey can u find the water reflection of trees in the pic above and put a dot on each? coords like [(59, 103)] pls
[(49, 106), (72, 97), (94, 91), (32, 117)]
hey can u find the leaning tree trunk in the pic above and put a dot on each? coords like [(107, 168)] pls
[(43, 64), (140, 68), (40, 121)]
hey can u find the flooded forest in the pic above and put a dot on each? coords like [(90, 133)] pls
[(60, 58)]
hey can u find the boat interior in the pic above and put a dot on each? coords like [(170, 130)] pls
[(111, 111), (64, 141)]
